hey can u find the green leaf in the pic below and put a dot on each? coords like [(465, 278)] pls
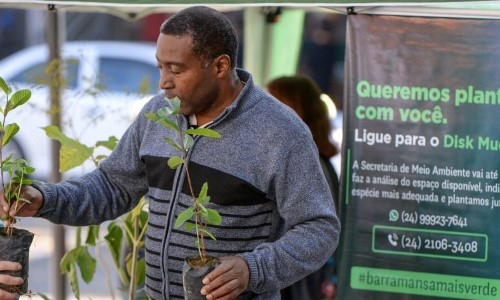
[(172, 143), (122, 271), (92, 235), (207, 132), (175, 104), (203, 191), (114, 241), (68, 259), (73, 153), (188, 141), (189, 226), (87, 264), (55, 133), (202, 208), (21, 199), (169, 124), (165, 112), (5, 88), (29, 170), (152, 116), (204, 200), (212, 217), (26, 181), (109, 144), (73, 281), (206, 232), (163, 117), (10, 131), (128, 264), (141, 272), (68, 267), (73, 157), (183, 217), (144, 219), (174, 162), (18, 98), (124, 277), (139, 208)]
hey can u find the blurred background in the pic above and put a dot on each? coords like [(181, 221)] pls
[(321, 53)]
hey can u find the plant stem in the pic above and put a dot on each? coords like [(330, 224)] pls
[(107, 274), (8, 231), (197, 221), (17, 199), (1, 146), (11, 220), (133, 275)]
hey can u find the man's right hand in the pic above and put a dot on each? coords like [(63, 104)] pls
[(9, 280), (27, 209)]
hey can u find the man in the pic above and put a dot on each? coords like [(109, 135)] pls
[(278, 219)]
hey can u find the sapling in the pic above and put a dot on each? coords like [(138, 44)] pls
[(15, 170), (14, 243), (171, 118)]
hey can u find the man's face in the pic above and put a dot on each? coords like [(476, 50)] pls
[(184, 76)]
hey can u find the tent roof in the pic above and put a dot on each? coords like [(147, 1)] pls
[(471, 9), (134, 9)]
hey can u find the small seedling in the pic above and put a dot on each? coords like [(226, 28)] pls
[(170, 117), (15, 170)]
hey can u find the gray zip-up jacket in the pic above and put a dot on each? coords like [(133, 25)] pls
[(264, 178)]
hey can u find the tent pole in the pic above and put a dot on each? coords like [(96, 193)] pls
[(254, 43), (55, 87)]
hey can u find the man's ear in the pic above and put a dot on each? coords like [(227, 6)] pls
[(222, 65)]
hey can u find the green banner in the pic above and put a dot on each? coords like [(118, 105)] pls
[(421, 188), (426, 284)]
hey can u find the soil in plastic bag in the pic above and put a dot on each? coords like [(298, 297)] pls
[(192, 279), (16, 248)]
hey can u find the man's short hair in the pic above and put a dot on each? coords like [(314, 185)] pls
[(211, 31)]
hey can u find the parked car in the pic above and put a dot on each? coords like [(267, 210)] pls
[(105, 85)]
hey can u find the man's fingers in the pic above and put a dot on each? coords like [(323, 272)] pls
[(8, 296), (228, 291), (219, 281), (9, 266), (228, 280), (22, 209), (10, 280), (222, 268), (5, 211)]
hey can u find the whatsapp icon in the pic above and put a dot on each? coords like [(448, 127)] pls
[(393, 215)]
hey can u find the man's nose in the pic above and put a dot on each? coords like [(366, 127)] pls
[(166, 81)]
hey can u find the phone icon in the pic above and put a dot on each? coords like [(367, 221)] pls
[(393, 239)]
